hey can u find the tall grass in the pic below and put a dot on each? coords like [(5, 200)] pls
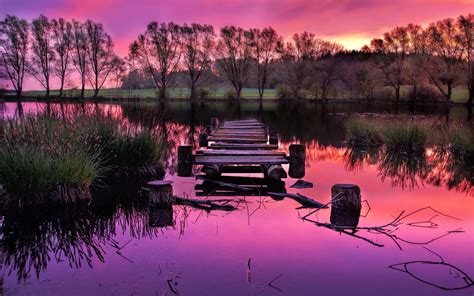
[(404, 136), (362, 132), (50, 157)]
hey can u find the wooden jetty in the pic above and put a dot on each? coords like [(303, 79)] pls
[(243, 146)]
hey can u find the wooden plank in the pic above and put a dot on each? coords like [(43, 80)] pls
[(240, 169), (237, 139), (240, 152), (249, 146), (239, 180), (241, 127), (234, 135), (238, 131), (202, 159)]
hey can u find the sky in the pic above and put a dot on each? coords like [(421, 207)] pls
[(351, 23)]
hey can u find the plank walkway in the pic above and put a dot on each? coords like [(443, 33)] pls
[(242, 142)]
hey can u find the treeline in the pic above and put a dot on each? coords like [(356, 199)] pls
[(414, 62)]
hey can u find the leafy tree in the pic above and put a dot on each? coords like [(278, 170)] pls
[(63, 45)]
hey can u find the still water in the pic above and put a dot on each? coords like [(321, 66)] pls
[(265, 247)]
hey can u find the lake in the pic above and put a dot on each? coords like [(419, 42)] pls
[(109, 246)]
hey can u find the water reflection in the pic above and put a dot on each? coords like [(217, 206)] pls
[(261, 228)]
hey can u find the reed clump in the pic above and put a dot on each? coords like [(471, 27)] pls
[(58, 158)]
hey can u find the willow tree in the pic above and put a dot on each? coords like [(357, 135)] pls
[(234, 52), (100, 54), (63, 45), (43, 57), (157, 52), (13, 50), (264, 45), (197, 48)]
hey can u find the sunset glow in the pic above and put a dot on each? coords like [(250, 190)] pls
[(351, 23)]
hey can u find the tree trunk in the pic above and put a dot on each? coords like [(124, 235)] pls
[(18, 93), (96, 93), (83, 86), (449, 93), (47, 88), (471, 96), (192, 96), (238, 91), (397, 93), (61, 88)]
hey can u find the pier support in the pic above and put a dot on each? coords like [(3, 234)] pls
[(297, 161), (203, 139), (345, 205), (273, 138), (160, 210), (185, 161), (214, 122)]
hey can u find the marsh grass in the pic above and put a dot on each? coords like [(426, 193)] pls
[(404, 135), (58, 158), (362, 132)]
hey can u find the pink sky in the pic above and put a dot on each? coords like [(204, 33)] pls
[(350, 22)]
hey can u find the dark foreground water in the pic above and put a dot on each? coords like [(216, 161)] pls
[(264, 248)]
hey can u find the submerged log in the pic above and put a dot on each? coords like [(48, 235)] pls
[(227, 185), (273, 171), (185, 160), (345, 205), (207, 205), (304, 201), (211, 170)]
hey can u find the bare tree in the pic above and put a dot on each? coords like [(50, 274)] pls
[(391, 57), (118, 72), (157, 52), (265, 53), (13, 50), (43, 57), (100, 53), (326, 69), (446, 52), (465, 26), (234, 53), (296, 56), (417, 50), (63, 42), (197, 48), (79, 53)]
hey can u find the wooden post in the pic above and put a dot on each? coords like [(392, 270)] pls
[(185, 160), (345, 205), (208, 129), (203, 140), (273, 138), (297, 161), (161, 192), (214, 122), (297, 152)]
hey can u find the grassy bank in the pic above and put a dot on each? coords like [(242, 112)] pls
[(410, 135), (53, 158), (459, 95)]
